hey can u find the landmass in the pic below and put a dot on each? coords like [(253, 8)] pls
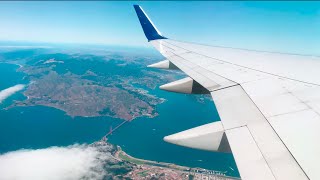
[(91, 85), (81, 97), (59, 84), (124, 166), (105, 84)]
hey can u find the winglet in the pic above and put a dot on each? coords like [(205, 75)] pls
[(149, 29)]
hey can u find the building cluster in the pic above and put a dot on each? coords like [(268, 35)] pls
[(152, 172)]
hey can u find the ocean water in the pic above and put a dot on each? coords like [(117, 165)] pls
[(41, 127), (8, 78), (143, 137)]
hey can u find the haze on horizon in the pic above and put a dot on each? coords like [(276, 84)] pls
[(272, 26)]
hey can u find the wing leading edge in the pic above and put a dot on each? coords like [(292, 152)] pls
[(262, 99)]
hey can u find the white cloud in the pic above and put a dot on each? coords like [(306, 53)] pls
[(54, 163), (4, 94)]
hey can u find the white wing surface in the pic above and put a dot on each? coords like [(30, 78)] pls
[(269, 105)]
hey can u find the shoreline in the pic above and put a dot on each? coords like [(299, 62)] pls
[(14, 63), (125, 155), (195, 172)]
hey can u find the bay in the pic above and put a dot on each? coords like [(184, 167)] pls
[(41, 127)]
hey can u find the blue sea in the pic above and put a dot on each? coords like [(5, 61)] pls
[(41, 127)]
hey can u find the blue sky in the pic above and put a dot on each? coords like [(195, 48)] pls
[(274, 26)]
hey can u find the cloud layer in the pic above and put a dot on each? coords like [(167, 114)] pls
[(54, 163), (4, 94)]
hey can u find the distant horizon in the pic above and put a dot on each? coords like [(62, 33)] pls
[(8, 46), (90, 45), (22, 42), (291, 27)]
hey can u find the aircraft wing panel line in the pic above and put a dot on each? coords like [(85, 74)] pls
[(231, 104), (244, 158), (175, 57), (193, 67), (201, 72), (201, 78), (269, 103), (224, 61)]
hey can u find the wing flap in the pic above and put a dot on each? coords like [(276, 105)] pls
[(237, 111), (250, 161), (297, 131)]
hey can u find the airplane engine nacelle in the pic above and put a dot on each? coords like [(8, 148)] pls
[(186, 86), (166, 64), (209, 137)]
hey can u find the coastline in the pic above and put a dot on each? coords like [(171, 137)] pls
[(143, 162), (14, 63), (190, 173)]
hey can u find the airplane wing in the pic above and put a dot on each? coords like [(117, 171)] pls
[(268, 103)]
